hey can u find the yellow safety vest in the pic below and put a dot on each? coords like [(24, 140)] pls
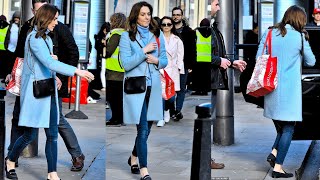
[(113, 63), (3, 33), (203, 48)]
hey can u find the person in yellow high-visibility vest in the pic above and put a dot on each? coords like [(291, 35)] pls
[(201, 70), (4, 26), (114, 70)]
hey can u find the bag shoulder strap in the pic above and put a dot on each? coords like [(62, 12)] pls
[(268, 42), (145, 71)]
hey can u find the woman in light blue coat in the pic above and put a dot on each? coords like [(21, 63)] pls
[(284, 104), (36, 113), (140, 55)]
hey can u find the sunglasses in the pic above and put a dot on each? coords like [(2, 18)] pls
[(166, 24)]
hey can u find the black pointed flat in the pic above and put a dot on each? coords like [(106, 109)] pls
[(134, 168), (276, 174), (11, 174), (271, 159), (146, 177)]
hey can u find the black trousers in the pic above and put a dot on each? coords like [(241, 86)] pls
[(114, 95)]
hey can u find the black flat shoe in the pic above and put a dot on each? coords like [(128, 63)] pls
[(271, 159), (134, 168), (146, 177), (281, 175), (11, 174)]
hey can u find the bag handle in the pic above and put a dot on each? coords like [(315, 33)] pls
[(268, 41)]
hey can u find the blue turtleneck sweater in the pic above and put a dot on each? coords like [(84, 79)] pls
[(144, 33)]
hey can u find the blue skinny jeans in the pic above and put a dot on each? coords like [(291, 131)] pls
[(282, 143), (30, 134), (140, 148)]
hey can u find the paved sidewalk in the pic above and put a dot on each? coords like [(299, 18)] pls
[(91, 136), (170, 147)]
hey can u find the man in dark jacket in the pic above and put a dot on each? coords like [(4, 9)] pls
[(67, 51), (188, 37), (220, 63), (4, 26)]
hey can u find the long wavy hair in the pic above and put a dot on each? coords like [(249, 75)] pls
[(296, 17), (133, 17), (43, 18)]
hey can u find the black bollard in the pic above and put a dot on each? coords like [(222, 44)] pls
[(201, 149), (2, 131)]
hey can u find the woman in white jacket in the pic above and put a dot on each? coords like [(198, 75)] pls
[(175, 67)]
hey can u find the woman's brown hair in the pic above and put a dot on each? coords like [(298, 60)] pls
[(296, 17), (117, 20), (45, 15), (133, 17)]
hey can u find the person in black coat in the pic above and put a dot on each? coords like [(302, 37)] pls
[(188, 37), (67, 51), (100, 45)]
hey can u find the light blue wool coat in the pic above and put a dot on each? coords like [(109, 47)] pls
[(134, 62), (285, 102), (36, 112)]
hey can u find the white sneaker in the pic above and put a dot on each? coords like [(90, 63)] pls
[(160, 123), (103, 89), (90, 100), (166, 116)]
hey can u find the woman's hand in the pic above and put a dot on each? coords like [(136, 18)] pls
[(59, 83), (150, 47), (55, 57), (152, 59), (85, 74)]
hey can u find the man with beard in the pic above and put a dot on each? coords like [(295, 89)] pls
[(188, 37), (219, 65)]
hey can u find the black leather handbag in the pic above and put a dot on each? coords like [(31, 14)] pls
[(43, 88), (135, 85)]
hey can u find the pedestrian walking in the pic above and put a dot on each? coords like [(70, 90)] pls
[(101, 47), (67, 51), (219, 65), (284, 105), (114, 70), (140, 56), (188, 37), (10, 42), (40, 63), (175, 67), (4, 26)]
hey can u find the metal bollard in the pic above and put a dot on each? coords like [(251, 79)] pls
[(201, 150), (2, 131)]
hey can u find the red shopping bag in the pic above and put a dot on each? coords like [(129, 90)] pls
[(14, 85), (83, 90), (167, 84), (264, 77)]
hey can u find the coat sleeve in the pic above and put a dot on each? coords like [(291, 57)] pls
[(180, 53), (43, 55), (308, 56), (112, 44), (129, 58), (163, 60)]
